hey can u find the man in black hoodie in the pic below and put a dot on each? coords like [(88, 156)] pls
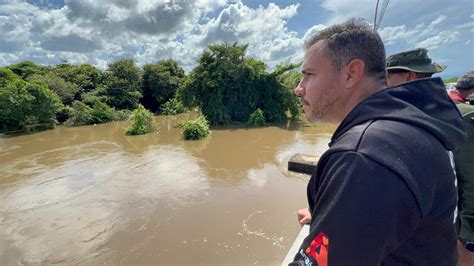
[(384, 192)]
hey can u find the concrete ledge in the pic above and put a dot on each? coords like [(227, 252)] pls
[(302, 163), (296, 245)]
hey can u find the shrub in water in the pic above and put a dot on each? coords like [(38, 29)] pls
[(121, 115), (257, 119), (172, 107), (102, 113), (195, 129), (142, 122), (80, 114)]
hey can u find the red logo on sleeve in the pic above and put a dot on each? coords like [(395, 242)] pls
[(318, 249)]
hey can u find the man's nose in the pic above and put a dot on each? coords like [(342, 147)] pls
[(299, 90)]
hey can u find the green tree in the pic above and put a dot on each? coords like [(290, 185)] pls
[(123, 90), (102, 113), (80, 114), (160, 83), (288, 76), (228, 87), (24, 104), (86, 77), (25, 69), (172, 107), (65, 90)]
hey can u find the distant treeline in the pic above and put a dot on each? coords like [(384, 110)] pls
[(451, 80), (226, 86)]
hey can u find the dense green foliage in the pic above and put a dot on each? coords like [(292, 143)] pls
[(85, 77), (79, 114), (195, 129), (82, 114), (27, 68), (102, 113), (123, 90), (142, 122), (25, 105), (257, 119), (65, 90), (228, 87), (160, 83), (289, 80), (172, 107)]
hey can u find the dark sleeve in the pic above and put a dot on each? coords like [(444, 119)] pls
[(464, 159), (362, 212)]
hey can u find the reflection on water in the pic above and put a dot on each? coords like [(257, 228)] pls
[(93, 195)]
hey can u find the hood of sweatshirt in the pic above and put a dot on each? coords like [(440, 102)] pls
[(423, 103)]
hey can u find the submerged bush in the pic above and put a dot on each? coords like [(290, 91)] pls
[(122, 115), (257, 119), (195, 129), (80, 114), (142, 122), (102, 113), (172, 107)]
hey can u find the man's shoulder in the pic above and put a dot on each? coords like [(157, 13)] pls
[(402, 148), (466, 110), (379, 134)]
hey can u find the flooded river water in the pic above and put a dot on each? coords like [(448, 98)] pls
[(91, 195)]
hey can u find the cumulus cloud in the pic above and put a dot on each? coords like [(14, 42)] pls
[(147, 31), (391, 35), (312, 31), (100, 32), (344, 9), (444, 37), (70, 43), (430, 37)]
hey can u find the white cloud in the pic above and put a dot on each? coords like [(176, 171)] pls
[(148, 31), (444, 37), (437, 21), (430, 37), (313, 30), (99, 32), (391, 35), (344, 9)]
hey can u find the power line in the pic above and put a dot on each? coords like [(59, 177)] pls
[(379, 15)]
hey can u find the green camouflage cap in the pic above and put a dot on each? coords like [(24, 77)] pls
[(466, 82), (414, 60)]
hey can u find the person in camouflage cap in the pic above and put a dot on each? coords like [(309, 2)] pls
[(464, 161), (410, 65)]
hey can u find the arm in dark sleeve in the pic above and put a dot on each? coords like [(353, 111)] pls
[(362, 212), (464, 161)]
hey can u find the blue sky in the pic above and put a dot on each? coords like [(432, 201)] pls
[(100, 32)]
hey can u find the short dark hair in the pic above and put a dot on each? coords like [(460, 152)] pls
[(353, 39)]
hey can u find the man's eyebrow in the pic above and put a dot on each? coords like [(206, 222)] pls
[(307, 70)]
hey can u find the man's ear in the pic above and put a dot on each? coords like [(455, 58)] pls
[(411, 76), (355, 72)]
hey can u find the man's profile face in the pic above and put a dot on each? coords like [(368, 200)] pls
[(319, 89)]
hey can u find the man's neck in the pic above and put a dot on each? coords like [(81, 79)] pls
[(365, 89)]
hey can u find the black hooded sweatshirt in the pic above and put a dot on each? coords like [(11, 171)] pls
[(384, 192)]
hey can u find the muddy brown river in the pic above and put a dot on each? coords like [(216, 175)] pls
[(91, 195)]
